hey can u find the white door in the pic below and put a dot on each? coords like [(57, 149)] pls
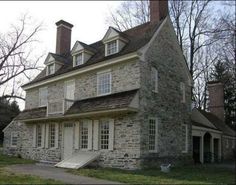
[(68, 140)]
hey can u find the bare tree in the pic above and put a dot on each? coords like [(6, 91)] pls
[(16, 60)]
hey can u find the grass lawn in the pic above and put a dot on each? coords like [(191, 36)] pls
[(180, 175), (7, 177)]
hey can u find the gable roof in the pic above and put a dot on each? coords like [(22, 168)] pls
[(220, 125), (138, 37)]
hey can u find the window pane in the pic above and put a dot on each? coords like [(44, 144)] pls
[(104, 134), (52, 132), (43, 93), (104, 83), (152, 134), (50, 69), (111, 47), (84, 135), (14, 136), (39, 135), (78, 59)]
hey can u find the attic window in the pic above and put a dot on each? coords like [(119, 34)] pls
[(111, 47), (50, 69), (78, 59)]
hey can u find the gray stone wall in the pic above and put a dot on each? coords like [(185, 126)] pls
[(227, 152), (166, 105), (125, 154), (125, 76)]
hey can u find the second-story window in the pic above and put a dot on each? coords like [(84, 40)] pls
[(154, 79), (51, 69), (43, 96), (78, 59), (182, 90), (104, 83), (112, 47)]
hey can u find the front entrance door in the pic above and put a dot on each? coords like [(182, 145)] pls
[(68, 140)]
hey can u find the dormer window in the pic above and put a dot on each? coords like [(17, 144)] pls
[(79, 59), (50, 69), (112, 47)]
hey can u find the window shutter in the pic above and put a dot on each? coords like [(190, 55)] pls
[(43, 136), (111, 134), (90, 132), (95, 134), (56, 134), (34, 135), (76, 143), (46, 135)]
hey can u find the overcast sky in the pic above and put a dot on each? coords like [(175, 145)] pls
[(88, 18)]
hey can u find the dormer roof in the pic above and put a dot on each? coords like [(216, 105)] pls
[(137, 37), (52, 57), (80, 46), (113, 33)]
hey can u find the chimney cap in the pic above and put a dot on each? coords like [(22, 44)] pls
[(62, 22), (215, 82)]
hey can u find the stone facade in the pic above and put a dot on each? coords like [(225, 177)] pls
[(228, 148), (131, 130)]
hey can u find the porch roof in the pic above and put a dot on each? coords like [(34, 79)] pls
[(118, 102)]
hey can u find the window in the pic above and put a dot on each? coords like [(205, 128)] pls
[(84, 135), (104, 134), (154, 79), (39, 135), (185, 138), (14, 137), (78, 59), (153, 134), (233, 143), (43, 93), (112, 47), (182, 91), (52, 135), (104, 83), (227, 143), (69, 93), (51, 69)]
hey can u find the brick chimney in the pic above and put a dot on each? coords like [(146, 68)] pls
[(158, 10), (216, 97), (63, 41)]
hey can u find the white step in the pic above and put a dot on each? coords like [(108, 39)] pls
[(78, 160)]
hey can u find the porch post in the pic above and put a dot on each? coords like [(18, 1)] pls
[(212, 148), (202, 149)]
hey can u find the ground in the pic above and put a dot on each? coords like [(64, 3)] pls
[(201, 174), (7, 177)]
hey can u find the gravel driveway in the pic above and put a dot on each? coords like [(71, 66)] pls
[(50, 172)]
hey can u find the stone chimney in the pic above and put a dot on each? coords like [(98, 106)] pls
[(216, 97), (63, 41), (158, 10)]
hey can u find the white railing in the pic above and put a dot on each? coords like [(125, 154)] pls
[(59, 107)]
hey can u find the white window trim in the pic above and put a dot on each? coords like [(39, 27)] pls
[(46, 104), (186, 138), (155, 88), (47, 70), (183, 92), (12, 135), (100, 73), (156, 136), (117, 47), (74, 59)]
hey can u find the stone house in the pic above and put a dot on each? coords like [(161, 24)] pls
[(126, 98)]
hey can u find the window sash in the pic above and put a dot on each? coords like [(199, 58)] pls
[(39, 136), (43, 93), (104, 83), (112, 47), (51, 69), (154, 79), (83, 135), (52, 135), (70, 90), (14, 137), (153, 134), (79, 59), (104, 134)]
